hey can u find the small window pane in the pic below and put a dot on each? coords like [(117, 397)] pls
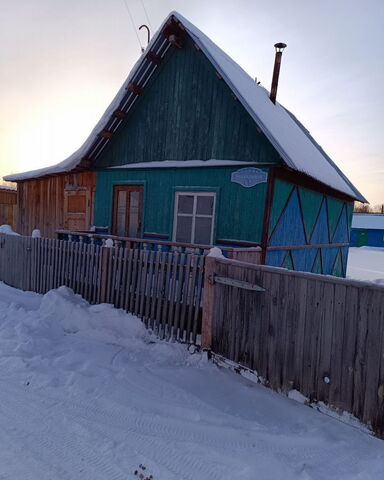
[(203, 228), (205, 205), (184, 229), (185, 204)]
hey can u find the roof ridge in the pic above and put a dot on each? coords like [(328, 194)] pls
[(289, 137)]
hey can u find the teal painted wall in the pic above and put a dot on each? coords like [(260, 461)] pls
[(239, 210), (304, 217), (187, 113)]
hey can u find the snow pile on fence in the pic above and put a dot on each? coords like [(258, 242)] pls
[(62, 322), (7, 230)]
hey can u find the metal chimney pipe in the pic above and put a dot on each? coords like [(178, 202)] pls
[(279, 47)]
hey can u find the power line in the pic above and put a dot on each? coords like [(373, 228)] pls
[(133, 24), (146, 13)]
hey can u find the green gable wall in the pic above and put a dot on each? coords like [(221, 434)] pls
[(239, 210), (187, 113)]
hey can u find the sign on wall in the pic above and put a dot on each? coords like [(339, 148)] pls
[(249, 177)]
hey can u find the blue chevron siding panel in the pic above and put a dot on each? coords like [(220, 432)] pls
[(331, 226), (303, 260), (275, 258), (290, 228)]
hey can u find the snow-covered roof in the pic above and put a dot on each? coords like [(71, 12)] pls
[(292, 141), (372, 221), (8, 188), (184, 164)]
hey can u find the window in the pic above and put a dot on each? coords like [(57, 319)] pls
[(194, 217)]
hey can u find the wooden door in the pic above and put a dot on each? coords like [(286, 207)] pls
[(77, 209), (128, 211), (362, 238)]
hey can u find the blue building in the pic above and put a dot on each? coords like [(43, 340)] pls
[(367, 230)]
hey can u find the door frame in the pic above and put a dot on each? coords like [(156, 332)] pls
[(127, 188)]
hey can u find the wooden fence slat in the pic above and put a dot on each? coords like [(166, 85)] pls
[(154, 289), (184, 300), (144, 282), (135, 262), (173, 285), (166, 293), (149, 288), (129, 276)]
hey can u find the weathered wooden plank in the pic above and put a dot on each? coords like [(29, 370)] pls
[(113, 280), (178, 296), (154, 286), (129, 291), (144, 281), (337, 353), (136, 254), (191, 296), (325, 350), (103, 274), (160, 292), (118, 291), (139, 276), (184, 300), (149, 288), (349, 346), (198, 294), (372, 360)]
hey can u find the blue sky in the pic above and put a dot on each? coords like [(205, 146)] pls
[(62, 62)]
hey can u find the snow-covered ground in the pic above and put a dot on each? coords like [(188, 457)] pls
[(87, 393), (366, 263)]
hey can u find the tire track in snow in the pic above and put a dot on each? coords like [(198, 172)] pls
[(151, 435), (69, 450), (46, 436)]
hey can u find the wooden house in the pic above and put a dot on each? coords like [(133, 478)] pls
[(8, 206), (193, 150), (367, 230), (51, 201)]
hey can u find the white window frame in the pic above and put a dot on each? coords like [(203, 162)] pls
[(195, 194)]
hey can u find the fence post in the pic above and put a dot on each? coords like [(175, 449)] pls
[(208, 303)]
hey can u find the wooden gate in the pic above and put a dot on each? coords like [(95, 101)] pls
[(321, 335)]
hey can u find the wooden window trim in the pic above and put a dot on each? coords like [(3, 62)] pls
[(195, 194)]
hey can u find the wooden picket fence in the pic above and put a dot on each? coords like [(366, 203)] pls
[(320, 335), (163, 288)]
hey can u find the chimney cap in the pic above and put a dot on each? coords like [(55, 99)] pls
[(280, 46)]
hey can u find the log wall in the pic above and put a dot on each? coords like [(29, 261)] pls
[(41, 202), (8, 207)]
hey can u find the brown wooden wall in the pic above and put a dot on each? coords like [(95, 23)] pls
[(8, 207), (43, 203)]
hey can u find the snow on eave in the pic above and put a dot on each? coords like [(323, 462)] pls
[(184, 164), (291, 140)]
